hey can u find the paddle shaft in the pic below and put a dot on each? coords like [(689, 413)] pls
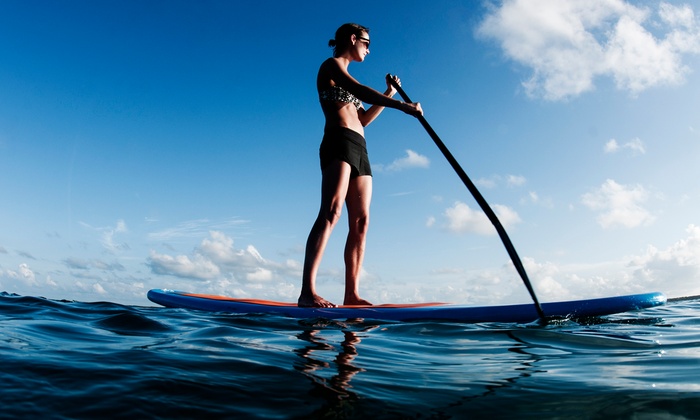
[(478, 197)]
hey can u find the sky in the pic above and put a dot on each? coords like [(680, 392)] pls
[(174, 144)]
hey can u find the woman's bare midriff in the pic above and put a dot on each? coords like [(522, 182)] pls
[(342, 115)]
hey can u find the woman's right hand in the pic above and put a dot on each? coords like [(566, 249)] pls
[(412, 109)]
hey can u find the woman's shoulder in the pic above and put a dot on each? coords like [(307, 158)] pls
[(327, 72), (330, 63)]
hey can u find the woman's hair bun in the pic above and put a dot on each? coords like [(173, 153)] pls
[(331, 43)]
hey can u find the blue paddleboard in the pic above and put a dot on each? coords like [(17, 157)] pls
[(411, 312)]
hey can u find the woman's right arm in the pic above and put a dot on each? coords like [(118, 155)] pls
[(365, 93)]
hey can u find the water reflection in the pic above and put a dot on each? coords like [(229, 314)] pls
[(331, 368), (446, 369), (312, 362)]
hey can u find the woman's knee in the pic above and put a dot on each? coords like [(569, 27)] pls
[(331, 214), (360, 224)]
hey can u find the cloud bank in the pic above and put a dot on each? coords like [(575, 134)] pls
[(568, 44), (460, 218), (216, 266), (410, 161), (619, 205), (217, 261), (635, 146)]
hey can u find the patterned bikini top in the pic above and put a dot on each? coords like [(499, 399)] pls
[(338, 94)]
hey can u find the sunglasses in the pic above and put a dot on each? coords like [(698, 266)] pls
[(363, 39)]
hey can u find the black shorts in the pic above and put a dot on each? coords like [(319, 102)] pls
[(348, 146)]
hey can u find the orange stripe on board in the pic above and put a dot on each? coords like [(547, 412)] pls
[(396, 305), (251, 301), (275, 303)]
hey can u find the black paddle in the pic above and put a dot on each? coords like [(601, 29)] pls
[(479, 199)]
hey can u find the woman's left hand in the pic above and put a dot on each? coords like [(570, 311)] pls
[(390, 87)]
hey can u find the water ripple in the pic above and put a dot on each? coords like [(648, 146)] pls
[(64, 359)]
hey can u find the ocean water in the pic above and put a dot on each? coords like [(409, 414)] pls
[(65, 359)]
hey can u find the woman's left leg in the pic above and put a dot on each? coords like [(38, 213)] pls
[(358, 200)]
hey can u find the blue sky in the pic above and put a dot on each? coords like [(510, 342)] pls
[(174, 144)]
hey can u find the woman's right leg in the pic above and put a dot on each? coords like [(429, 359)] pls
[(334, 189)]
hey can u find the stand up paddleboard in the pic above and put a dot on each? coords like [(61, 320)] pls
[(411, 312)]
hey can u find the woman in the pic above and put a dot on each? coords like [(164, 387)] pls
[(347, 176)]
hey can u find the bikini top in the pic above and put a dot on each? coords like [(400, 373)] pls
[(338, 94)]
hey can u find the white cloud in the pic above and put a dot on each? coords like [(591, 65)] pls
[(23, 273), (195, 228), (534, 198), (219, 249), (682, 16), (108, 235), (216, 258), (635, 145), (611, 146), (50, 282), (516, 180), (461, 218), (260, 274), (97, 288), (673, 270), (619, 205), (546, 275), (411, 160), (495, 180), (197, 267), (85, 264), (487, 182), (569, 43)]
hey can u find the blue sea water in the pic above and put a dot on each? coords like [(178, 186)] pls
[(65, 359)]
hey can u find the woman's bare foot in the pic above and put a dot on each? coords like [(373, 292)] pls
[(314, 301), (356, 301)]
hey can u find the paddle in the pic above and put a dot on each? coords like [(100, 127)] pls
[(479, 199)]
